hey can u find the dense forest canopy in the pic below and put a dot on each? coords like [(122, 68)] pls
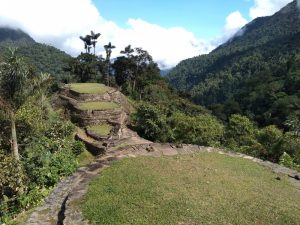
[(256, 73), (44, 58), (251, 84)]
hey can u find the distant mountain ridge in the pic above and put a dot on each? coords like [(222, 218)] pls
[(9, 34), (267, 48), (44, 58)]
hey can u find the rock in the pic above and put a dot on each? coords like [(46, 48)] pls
[(150, 149)]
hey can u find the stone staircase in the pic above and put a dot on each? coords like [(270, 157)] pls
[(62, 206), (117, 118)]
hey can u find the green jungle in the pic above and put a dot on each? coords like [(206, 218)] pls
[(244, 97)]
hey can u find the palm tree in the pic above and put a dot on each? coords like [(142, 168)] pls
[(17, 84), (108, 49), (127, 51), (94, 40), (87, 42), (15, 87)]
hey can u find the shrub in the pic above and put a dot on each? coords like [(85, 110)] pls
[(270, 138), (240, 132), (203, 129), (49, 159), (12, 184), (151, 123), (286, 160)]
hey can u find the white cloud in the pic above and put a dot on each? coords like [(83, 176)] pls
[(61, 22), (267, 7), (167, 45), (234, 22), (298, 3)]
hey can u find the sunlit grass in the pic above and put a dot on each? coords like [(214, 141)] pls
[(85, 158), (89, 88), (190, 189), (98, 105), (102, 129)]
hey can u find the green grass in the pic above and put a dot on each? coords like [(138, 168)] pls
[(203, 188), (102, 129), (98, 105), (89, 88), (85, 158)]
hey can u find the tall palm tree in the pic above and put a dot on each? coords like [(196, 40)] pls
[(108, 49), (87, 42), (94, 37), (15, 88), (127, 51)]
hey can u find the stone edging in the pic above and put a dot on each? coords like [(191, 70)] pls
[(62, 205)]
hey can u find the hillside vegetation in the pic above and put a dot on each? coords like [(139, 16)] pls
[(240, 81), (256, 73), (42, 57)]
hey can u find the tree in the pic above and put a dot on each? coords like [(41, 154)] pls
[(18, 83), (202, 129), (240, 131), (94, 37), (128, 51), (108, 49), (15, 87), (123, 71), (84, 66), (135, 70), (87, 42)]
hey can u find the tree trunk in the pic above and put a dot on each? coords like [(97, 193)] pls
[(107, 76), (133, 86), (14, 144)]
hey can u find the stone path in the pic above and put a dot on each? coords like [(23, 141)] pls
[(63, 204)]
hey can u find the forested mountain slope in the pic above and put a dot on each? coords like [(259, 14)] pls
[(255, 73), (43, 57)]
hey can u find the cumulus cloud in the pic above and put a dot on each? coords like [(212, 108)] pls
[(267, 7), (166, 45), (61, 22), (234, 22)]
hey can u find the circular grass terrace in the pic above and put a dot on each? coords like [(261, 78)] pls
[(101, 129), (204, 188), (89, 88), (98, 105)]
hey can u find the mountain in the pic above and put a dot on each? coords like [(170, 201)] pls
[(44, 58), (16, 35), (254, 73), (164, 72)]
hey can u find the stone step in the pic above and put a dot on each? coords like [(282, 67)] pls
[(93, 146)]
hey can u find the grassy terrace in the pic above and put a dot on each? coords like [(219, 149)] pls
[(190, 189), (89, 88), (103, 129), (98, 105)]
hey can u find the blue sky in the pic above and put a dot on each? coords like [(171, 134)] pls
[(170, 30), (205, 18)]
